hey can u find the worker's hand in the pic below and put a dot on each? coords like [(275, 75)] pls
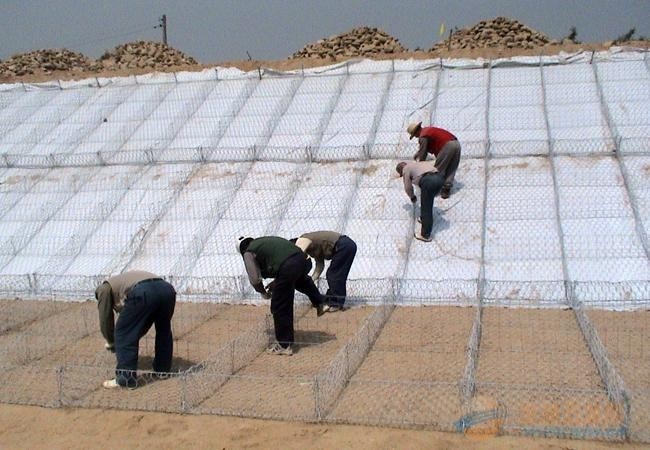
[(266, 295), (414, 199), (109, 346)]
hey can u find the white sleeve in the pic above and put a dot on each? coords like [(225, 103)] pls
[(303, 244)]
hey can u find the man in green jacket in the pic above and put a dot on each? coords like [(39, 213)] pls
[(276, 257), (142, 299)]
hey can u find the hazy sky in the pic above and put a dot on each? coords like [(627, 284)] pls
[(222, 30)]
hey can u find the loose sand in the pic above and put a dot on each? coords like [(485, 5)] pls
[(28, 427)]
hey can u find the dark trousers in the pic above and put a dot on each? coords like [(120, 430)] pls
[(430, 186), (447, 162), (292, 275), (345, 250), (150, 302)]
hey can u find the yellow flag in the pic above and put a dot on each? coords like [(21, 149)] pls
[(442, 29)]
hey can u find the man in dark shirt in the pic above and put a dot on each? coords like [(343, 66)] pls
[(338, 248), (142, 299), (443, 145), (276, 257)]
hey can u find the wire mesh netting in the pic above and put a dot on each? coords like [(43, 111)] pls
[(526, 314), (536, 371)]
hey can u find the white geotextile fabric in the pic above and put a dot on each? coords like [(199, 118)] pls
[(519, 226)]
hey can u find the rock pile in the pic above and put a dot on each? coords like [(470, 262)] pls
[(47, 61), (362, 41), (501, 32), (134, 55), (144, 54)]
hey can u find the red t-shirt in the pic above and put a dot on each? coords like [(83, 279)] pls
[(436, 138)]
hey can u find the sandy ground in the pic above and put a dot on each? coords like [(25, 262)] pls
[(416, 344), (30, 427)]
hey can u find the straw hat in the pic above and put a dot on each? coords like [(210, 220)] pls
[(413, 128)]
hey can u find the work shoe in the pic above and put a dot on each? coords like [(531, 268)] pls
[(322, 309), (277, 349), (419, 237), (445, 192), (111, 384), (335, 308)]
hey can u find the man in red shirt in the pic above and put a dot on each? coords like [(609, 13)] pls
[(443, 145)]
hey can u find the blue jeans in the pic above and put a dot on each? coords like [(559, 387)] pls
[(430, 186), (150, 302), (345, 250)]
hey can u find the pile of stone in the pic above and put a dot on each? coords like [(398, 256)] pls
[(46, 61), (362, 41), (500, 32), (134, 55), (144, 55)]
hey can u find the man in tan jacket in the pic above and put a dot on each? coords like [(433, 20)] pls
[(338, 248), (141, 299), (425, 175)]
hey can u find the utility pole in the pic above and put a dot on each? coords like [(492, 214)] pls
[(163, 25)]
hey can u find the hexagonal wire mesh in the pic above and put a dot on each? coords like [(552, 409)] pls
[(526, 315)]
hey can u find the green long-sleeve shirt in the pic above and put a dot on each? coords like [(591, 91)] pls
[(264, 257)]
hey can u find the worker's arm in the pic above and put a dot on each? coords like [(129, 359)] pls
[(106, 314), (408, 183), (320, 264), (421, 155), (255, 274)]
